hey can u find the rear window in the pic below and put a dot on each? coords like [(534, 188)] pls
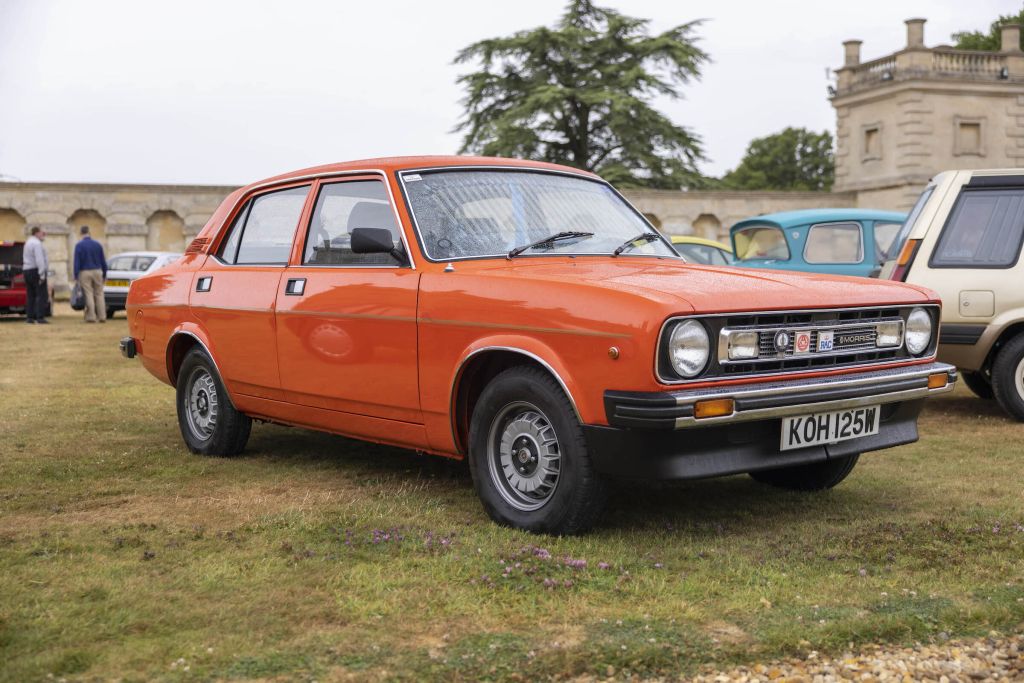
[(834, 243), (760, 242), (984, 230), (121, 263), (885, 235)]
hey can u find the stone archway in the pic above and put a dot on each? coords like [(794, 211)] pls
[(97, 224), (165, 231), (12, 226), (707, 226)]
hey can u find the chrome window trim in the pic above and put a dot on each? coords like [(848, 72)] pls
[(322, 176), (829, 224), (523, 169), (727, 332), (796, 311), (513, 349)]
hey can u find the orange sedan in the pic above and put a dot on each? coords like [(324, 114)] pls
[(524, 316)]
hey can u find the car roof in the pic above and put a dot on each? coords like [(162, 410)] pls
[(690, 239), (390, 164), (790, 219)]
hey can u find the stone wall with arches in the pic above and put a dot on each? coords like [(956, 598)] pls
[(122, 217)]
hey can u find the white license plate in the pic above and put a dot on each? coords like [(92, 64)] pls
[(801, 431)]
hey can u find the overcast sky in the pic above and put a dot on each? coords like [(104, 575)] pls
[(226, 91)]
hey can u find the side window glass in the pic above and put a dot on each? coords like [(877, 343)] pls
[(270, 227), (834, 243), (229, 248), (985, 230), (340, 208)]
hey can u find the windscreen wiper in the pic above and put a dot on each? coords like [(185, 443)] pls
[(644, 237), (550, 239)]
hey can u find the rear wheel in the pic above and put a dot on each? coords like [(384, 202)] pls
[(813, 477), (528, 456), (1008, 377), (978, 383), (209, 423)]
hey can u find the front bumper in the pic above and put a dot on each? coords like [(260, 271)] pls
[(657, 435)]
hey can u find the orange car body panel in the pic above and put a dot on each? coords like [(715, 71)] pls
[(375, 352)]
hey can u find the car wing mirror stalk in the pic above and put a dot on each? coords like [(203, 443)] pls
[(377, 241)]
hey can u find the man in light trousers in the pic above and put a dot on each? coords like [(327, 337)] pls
[(90, 272)]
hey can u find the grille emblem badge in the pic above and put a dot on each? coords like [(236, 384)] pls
[(781, 340)]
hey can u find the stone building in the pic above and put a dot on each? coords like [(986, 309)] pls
[(903, 117), (899, 120)]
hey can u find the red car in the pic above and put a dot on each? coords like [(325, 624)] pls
[(524, 316), (13, 292)]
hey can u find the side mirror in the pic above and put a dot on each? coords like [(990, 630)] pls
[(375, 241)]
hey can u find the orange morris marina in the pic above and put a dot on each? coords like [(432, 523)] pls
[(526, 317)]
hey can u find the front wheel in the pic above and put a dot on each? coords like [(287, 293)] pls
[(528, 456), (209, 423), (1008, 377), (813, 477)]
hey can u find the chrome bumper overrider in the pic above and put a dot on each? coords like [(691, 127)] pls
[(677, 409)]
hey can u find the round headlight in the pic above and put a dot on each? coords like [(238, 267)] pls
[(919, 331), (688, 348)]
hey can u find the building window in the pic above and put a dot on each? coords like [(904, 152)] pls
[(968, 136), (872, 142)]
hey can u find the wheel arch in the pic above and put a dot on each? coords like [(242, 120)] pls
[(183, 340), (1005, 335), (481, 363)]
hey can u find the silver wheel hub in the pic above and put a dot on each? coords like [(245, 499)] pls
[(203, 405), (523, 458), (1018, 378)]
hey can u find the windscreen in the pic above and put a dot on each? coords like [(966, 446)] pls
[(465, 214)]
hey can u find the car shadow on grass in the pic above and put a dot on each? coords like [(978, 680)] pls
[(703, 506)]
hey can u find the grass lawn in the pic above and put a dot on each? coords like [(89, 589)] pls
[(316, 557)]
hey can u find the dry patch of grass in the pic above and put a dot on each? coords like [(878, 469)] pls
[(311, 556)]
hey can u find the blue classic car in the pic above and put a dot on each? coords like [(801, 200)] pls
[(837, 241)]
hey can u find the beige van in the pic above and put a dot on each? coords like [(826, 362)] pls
[(963, 239)]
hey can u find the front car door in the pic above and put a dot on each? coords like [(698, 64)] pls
[(234, 293), (346, 325)]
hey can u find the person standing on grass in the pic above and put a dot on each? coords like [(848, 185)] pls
[(90, 271), (34, 266)]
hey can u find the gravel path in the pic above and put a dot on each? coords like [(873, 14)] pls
[(996, 658)]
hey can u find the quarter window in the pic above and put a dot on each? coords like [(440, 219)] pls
[(263, 231), (834, 243), (985, 230), (340, 208)]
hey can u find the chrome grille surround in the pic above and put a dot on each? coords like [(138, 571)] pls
[(848, 337)]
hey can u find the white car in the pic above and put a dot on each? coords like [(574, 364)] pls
[(122, 269)]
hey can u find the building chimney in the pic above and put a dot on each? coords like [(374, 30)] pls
[(915, 33), (1009, 37), (851, 49)]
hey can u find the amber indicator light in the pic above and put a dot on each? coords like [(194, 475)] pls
[(908, 252), (716, 407), (938, 381)]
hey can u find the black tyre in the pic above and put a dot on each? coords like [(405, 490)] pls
[(209, 423), (110, 313), (528, 456), (1008, 377), (813, 477), (978, 383)]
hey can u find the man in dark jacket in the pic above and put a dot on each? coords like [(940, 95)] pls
[(90, 272)]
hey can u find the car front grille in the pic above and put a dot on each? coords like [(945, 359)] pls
[(854, 334)]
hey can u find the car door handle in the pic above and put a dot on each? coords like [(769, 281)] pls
[(296, 286), (203, 284)]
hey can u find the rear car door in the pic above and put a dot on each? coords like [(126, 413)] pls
[(346, 322), (234, 293)]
